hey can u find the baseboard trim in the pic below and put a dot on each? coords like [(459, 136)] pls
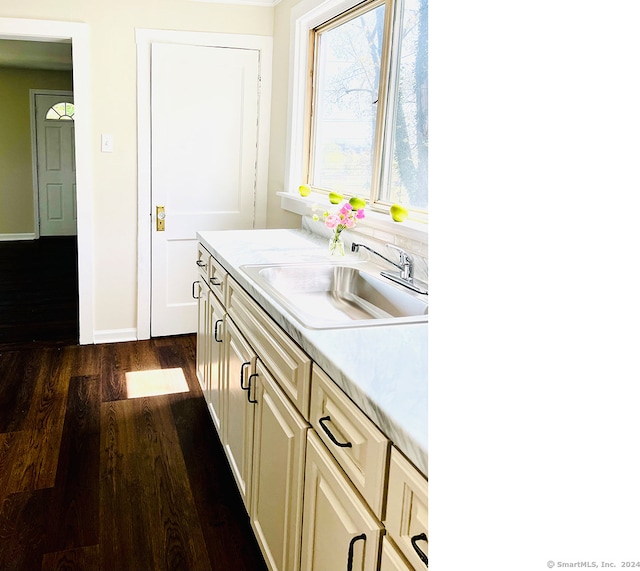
[(115, 335), (17, 237)]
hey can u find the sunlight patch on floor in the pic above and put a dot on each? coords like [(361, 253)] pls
[(155, 382)]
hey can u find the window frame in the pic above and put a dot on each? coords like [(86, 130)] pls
[(382, 147)]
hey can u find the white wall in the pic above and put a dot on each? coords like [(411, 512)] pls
[(113, 110)]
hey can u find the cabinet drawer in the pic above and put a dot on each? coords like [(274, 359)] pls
[(407, 509), (217, 280), (214, 275), (203, 262), (357, 444), (285, 360)]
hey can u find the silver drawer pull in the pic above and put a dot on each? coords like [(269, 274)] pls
[(321, 421), (200, 263), (215, 283)]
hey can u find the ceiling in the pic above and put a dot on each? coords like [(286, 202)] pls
[(54, 55)]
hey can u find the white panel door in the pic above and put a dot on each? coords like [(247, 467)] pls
[(204, 135), (56, 167)]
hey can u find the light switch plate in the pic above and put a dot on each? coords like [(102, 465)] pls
[(107, 143)]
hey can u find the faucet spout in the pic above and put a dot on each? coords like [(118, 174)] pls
[(355, 247)]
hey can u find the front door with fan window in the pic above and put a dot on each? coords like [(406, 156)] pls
[(56, 169)]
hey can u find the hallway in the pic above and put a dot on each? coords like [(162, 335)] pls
[(39, 292)]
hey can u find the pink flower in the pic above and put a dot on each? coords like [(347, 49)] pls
[(346, 207), (332, 221), (360, 214), (349, 222)]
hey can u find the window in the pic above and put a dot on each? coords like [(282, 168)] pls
[(367, 114), (61, 112)]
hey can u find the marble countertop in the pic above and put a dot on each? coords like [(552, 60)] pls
[(383, 369)]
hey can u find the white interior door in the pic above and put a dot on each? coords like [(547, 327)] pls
[(56, 164), (204, 135)]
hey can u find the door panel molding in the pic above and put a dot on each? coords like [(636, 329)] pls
[(144, 40)]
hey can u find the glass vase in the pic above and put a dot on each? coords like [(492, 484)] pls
[(336, 246)]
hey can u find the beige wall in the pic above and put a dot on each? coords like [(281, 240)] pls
[(276, 217), (113, 110), (16, 177)]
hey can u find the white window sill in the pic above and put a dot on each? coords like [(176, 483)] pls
[(375, 224)]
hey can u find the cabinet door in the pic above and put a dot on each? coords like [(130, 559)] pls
[(407, 510), (215, 353), (278, 473), (391, 559), (339, 532), (202, 343), (237, 427)]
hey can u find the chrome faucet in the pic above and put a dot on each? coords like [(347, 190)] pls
[(405, 277)]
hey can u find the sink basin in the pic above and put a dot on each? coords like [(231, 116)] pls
[(325, 296)]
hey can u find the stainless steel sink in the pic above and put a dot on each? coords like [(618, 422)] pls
[(325, 296)]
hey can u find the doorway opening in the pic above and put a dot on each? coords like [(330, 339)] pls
[(39, 276)]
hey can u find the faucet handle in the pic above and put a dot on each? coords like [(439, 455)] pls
[(404, 256), (406, 263)]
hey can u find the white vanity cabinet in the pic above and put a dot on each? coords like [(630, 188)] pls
[(324, 488)]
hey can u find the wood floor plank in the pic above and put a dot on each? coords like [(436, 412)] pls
[(36, 462), (16, 388), (74, 511), (87, 360), (178, 539), (23, 521), (10, 445), (80, 559), (124, 539)]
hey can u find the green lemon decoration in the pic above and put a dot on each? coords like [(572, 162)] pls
[(398, 212), (335, 198), (304, 190), (357, 202)]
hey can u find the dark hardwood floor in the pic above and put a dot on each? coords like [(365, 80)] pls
[(93, 480), (39, 292)]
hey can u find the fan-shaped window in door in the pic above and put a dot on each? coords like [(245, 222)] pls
[(62, 111)]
